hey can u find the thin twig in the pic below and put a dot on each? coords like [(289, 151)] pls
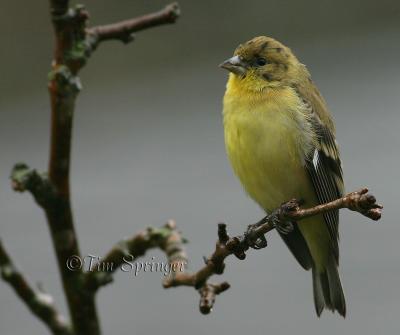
[(124, 30), (208, 293), (41, 304)]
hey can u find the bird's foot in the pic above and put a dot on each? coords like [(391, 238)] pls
[(282, 226), (253, 241)]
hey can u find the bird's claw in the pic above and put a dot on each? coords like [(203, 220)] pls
[(282, 226), (255, 243)]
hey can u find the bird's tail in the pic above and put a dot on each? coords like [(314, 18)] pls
[(328, 291)]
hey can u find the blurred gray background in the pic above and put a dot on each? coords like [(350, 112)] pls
[(148, 146)]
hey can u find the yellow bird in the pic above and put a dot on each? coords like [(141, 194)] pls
[(280, 140)]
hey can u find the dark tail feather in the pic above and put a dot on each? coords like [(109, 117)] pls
[(298, 246), (328, 291)]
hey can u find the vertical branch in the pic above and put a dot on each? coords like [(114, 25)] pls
[(64, 87), (73, 45)]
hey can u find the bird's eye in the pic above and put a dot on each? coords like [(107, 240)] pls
[(261, 61)]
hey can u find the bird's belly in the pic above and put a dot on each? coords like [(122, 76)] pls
[(267, 157)]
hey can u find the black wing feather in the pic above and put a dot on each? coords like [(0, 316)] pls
[(323, 164), (325, 171)]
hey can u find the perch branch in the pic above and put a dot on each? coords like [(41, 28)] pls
[(40, 304), (169, 240), (359, 201), (124, 30)]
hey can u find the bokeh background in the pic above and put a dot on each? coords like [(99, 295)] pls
[(148, 146)]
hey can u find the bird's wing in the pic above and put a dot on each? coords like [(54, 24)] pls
[(324, 165)]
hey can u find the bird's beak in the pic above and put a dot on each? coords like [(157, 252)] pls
[(235, 65)]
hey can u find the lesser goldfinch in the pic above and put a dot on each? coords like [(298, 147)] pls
[(280, 140)]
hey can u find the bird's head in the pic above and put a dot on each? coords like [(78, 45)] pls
[(263, 62)]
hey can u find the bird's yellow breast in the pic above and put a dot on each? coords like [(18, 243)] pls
[(268, 137)]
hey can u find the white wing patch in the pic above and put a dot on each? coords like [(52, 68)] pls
[(315, 159)]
